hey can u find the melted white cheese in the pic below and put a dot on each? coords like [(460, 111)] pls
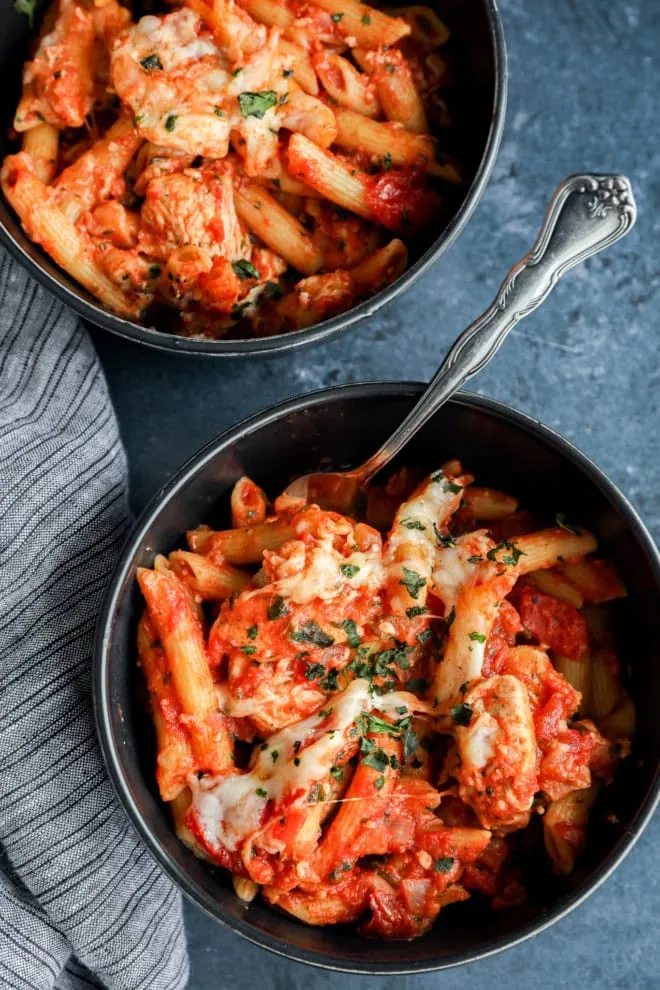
[(321, 576), (229, 808), (479, 741), (454, 569)]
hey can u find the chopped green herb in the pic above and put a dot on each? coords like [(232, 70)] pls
[(444, 539), (560, 519), (336, 17), (296, 746), (444, 864), (379, 782), (238, 310), (236, 71), (296, 761), (418, 684), (26, 7), (287, 73), (389, 67), (349, 570), (283, 98), (250, 650), (408, 522), (416, 610), (477, 637), (170, 123), (510, 559), (154, 271), (257, 104), (277, 609), (463, 688), (325, 712), (244, 269), (331, 681), (377, 760), (475, 559), (260, 792), (252, 632), (313, 671), (316, 794), (273, 291), (461, 714), (366, 19), (412, 581), (451, 487), (151, 62), (275, 755), (450, 618), (351, 633), (337, 773), (424, 636), (311, 632), (218, 111)]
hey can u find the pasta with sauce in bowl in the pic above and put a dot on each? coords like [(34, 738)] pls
[(231, 168), (365, 727)]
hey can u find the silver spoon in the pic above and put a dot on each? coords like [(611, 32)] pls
[(587, 214)]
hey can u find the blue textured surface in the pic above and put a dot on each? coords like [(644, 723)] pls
[(584, 79)]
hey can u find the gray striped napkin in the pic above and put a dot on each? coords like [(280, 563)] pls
[(81, 902)]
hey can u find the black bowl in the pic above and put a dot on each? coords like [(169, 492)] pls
[(479, 58), (504, 449)]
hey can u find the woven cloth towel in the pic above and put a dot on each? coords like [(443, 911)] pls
[(81, 902)]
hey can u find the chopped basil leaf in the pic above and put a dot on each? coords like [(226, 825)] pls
[(451, 487), (477, 637), (511, 559), (313, 671), (378, 782), (260, 792), (277, 609), (337, 773), (463, 688), (154, 271), (412, 523), (249, 650), (151, 62), (410, 743), (366, 19), (26, 7), (252, 632), (170, 123), (325, 712), (444, 864), (257, 104), (244, 269), (287, 73), (424, 636), (273, 291), (444, 539), (416, 610), (236, 71), (238, 310), (336, 17), (461, 714), (275, 755), (351, 633), (450, 618), (218, 111), (412, 581), (377, 760), (296, 746), (475, 559), (349, 570), (311, 632), (418, 684), (296, 761)]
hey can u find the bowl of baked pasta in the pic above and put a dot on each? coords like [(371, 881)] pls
[(222, 177), (397, 742)]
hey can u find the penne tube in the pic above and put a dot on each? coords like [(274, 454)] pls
[(41, 144), (45, 224), (210, 581), (382, 267), (300, 63), (487, 503), (309, 116), (620, 724), (174, 760), (287, 184), (552, 582), (547, 547), (179, 810), (578, 675), (565, 827), (180, 633), (606, 692), (346, 85), (597, 580), (370, 28), (359, 133), (241, 546), (232, 26), (332, 178), (598, 620), (90, 179), (244, 888), (270, 12), (425, 25), (394, 83), (248, 503), (277, 228)]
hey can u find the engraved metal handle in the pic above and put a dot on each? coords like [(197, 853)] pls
[(587, 214)]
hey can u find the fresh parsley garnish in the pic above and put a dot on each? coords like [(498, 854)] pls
[(250, 650), (349, 570), (273, 291), (154, 271), (351, 633), (325, 712), (560, 519), (449, 619), (416, 610), (377, 759), (412, 523), (336, 17), (418, 684), (277, 609), (461, 714), (244, 269), (444, 539), (260, 792), (218, 111), (475, 558), (337, 773), (366, 19), (151, 62), (511, 559), (27, 8), (477, 637), (257, 104), (312, 633), (252, 632), (287, 73), (170, 123), (444, 864), (412, 581), (275, 755), (313, 671)]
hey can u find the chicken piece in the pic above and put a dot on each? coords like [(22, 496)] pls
[(497, 776), (193, 207)]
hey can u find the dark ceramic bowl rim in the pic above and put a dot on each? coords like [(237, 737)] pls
[(100, 672), (161, 341)]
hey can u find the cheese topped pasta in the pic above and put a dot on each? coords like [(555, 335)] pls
[(231, 166), (360, 726)]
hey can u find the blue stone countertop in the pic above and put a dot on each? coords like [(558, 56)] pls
[(584, 79)]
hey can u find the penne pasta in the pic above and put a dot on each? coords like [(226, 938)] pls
[(356, 132), (277, 228), (347, 86), (241, 546), (425, 26), (45, 224), (565, 825), (553, 582), (578, 674), (249, 504), (210, 581), (41, 144), (397, 93), (597, 580), (487, 503), (369, 27), (299, 62), (331, 177), (548, 547), (381, 268)]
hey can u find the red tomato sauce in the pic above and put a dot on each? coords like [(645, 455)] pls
[(401, 200), (553, 624)]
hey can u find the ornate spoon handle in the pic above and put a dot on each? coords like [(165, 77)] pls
[(587, 214)]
